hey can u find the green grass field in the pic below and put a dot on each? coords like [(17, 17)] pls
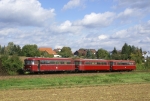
[(70, 81)]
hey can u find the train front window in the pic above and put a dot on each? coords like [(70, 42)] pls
[(29, 62)]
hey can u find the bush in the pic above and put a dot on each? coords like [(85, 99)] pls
[(140, 66), (11, 64)]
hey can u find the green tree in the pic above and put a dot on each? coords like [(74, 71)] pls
[(133, 49), (102, 54), (89, 54), (116, 56), (147, 63), (126, 51), (137, 56), (114, 51), (3, 50), (17, 50), (9, 48), (11, 64), (65, 52), (30, 51), (0, 49)]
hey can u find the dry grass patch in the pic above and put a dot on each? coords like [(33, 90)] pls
[(126, 92)]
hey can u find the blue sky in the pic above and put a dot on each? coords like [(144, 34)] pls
[(76, 24)]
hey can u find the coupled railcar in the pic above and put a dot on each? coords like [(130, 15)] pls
[(91, 65), (104, 65), (48, 64), (67, 64), (122, 65)]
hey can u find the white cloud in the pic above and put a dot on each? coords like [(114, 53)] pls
[(127, 12), (66, 27), (97, 19), (102, 37), (72, 4), (121, 34), (67, 24), (130, 15), (24, 13)]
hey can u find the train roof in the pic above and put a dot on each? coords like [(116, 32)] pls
[(122, 60), (90, 60), (41, 58), (104, 60)]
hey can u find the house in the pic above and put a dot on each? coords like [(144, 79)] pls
[(48, 50), (83, 52), (146, 55), (57, 50)]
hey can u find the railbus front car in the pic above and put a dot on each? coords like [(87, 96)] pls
[(48, 64)]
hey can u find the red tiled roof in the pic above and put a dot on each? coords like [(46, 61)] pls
[(48, 50)]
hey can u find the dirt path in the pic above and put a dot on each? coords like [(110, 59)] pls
[(126, 92)]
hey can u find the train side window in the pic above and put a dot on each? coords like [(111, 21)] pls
[(52, 62), (68, 62), (35, 62), (48, 61), (104, 63), (92, 63), (131, 63), (61, 62), (42, 61), (87, 62), (57, 62)]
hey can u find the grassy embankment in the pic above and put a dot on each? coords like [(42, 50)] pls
[(72, 81)]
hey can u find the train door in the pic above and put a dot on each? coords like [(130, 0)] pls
[(111, 65), (38, 65), (77, 65)]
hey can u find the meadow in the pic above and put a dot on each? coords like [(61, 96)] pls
[(72, 80)]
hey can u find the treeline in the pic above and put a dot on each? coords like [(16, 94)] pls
[(11, 63), (12, 49)]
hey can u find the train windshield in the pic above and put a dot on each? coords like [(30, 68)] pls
[(29, 62)]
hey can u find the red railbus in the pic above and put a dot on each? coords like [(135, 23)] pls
[(48, 64), (122, 65), (91, 65), (68, 64)]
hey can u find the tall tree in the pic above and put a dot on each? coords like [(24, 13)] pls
[(114, 51), (126, 51), (89, 54), (0, 49), (9, 48), (102, 54), (30, 51), (65, 52)]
